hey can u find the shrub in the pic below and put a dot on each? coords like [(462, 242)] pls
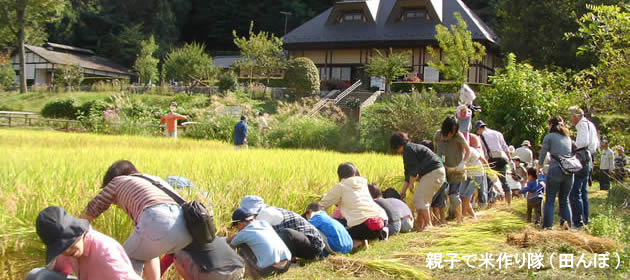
[(522, 100), (419, 114), (60, 109), (274, 82), (190, 65), (227, 82), (7, 77), (406, 87), (68, 76), (302, 77)]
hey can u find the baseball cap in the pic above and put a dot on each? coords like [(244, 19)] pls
[(479, 124), (241, 215)]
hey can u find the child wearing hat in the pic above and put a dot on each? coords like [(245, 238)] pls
[(73, 247), (259, 245)]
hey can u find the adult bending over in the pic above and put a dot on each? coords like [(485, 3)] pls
[(423, 166), (558, 143), (159, 221), (365, 218)]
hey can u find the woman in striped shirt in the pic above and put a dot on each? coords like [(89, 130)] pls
[(159, 221)]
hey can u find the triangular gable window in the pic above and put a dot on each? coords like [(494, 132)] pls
[(351, 16)]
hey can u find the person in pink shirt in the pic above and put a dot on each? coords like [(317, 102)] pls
[(171, 121), (73, 247)]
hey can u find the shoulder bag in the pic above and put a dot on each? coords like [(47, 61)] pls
[(199, 222), (568, 165)]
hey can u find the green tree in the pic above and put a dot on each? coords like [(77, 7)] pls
[(262, 52), (24, 16), (522, 99), (458, 51), (301, 76), (68, 76), (388, 66), (605, 31), (7, 77), (146, 64), (190, 65), (228, 81)]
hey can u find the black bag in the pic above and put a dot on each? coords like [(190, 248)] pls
[(583, 155), (568, 165), (199, 222)]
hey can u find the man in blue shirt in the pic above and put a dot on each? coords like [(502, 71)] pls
[(240, 134), (337, 237)]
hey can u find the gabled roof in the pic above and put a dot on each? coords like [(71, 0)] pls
[(317, 32), (56, 47), (226, 61), (85, 61)]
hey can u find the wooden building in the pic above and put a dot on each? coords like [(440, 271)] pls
[(342, 39), (41, 63)]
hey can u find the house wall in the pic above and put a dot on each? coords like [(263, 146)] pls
[(334, 64)]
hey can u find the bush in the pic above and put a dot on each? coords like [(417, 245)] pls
[(7, 77), (406, 87), (522, 100), (68, 76), (227, 82), (418, 114), (302, 77), (64, 109), (190, 65)]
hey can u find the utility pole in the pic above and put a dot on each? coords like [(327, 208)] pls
[(286, 18)]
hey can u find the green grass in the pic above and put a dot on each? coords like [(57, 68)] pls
[(35, 100), (42, 168)]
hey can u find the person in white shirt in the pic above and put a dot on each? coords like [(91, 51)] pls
[(525, 153), (496, 151), (607, 163), (587, 143)]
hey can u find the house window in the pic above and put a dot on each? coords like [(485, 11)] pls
[(414, 14), (352, 17)]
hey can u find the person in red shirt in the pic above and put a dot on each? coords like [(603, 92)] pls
[(171, 121)]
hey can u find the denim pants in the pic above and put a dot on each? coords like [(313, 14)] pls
[(161, 229), (579, 198), (557, 184)]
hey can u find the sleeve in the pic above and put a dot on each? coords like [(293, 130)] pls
[(582, 138), (316, 221), (118, 264), (332, 197), (238, 239), (544, 150), (102, 201), (245, 130), (163, 119), (180, 117), (504, 145), (411, 163)]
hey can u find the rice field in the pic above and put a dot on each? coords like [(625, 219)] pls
[(43, 168)]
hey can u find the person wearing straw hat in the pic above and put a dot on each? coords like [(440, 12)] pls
[(524, 152), (587, 143), (72, 246)]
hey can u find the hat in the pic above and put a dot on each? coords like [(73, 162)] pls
[(252, 204), (575, 111), (241, 215), (516, 157), (526, 143), (479, 124), (619, 147), (58, 230), (604, 141)]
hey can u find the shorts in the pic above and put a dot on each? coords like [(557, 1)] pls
[(471, 185), (171, 134), (161, 229), (427, 186), (439, 199), (191, 270)]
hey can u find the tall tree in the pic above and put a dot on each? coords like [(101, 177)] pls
[(146, 64), (388, 66), (458, 51), (23, 16), (533, 30), (261, 51)]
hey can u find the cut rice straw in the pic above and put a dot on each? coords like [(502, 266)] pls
[(390, 268), (531, 237)]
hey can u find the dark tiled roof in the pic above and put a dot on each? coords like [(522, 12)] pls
[(225, 61), (85, 61), (316, 31)]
